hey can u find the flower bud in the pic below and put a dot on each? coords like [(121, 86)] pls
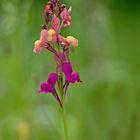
[(55, 2), (48, 9), (52, 35), (72, 41), (43, 27), (62, 7)]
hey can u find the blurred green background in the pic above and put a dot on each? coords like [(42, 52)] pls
[(106, 106)]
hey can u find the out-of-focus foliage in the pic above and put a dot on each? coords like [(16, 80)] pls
[(106, 106)]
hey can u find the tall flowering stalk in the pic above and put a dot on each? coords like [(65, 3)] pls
[(57, 17)]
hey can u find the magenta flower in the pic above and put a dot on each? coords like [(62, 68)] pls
[(71, 77), (48, 87), (45, 88), (74, 77)]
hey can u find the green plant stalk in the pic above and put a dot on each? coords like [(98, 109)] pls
[(64, 121), (63, 110)]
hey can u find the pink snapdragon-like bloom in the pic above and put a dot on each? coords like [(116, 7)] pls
[(47, 87), (71, 77), (66, 18)]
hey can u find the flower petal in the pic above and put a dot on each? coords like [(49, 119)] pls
[(52, 35), (45, 88), (53, 77), (56, 24), (74, 77), (67, 69), (43, 36)]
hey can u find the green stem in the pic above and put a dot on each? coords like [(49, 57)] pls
[(64, 120)]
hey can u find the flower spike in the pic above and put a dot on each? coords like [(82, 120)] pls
[(57, 17)]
